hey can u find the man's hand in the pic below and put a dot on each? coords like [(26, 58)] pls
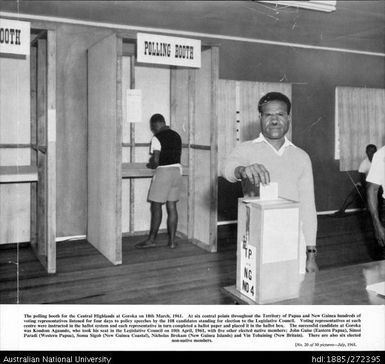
[(311, 265), (379, 231), (255, 173), (153, 162)]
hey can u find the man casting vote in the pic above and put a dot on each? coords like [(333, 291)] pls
[(272, 157)]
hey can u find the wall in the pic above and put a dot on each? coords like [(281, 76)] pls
[(314, 75)]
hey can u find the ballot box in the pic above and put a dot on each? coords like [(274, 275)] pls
[(268, 250)]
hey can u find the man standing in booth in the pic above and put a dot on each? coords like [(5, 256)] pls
[(165, 150), (272, 157)]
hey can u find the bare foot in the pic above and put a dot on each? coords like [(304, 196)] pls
[(145, 244), (311, 265), (172, 245)]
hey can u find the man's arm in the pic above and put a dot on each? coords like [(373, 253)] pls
[(154, 160), (237, 168), (155, 149), (379, 229), (308, 214)]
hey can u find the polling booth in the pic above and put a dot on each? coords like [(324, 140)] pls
[(131, 77), (28, 138)]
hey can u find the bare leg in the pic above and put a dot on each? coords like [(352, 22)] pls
[(156, 219), (172, 222)]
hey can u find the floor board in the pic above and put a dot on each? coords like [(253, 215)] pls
[(186, 275)]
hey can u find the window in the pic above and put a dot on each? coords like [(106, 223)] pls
[(359, 121)]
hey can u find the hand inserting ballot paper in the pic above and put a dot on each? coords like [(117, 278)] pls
[(269, 191)]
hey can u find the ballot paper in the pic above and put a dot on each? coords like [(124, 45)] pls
[(378, 288), (268, 192)]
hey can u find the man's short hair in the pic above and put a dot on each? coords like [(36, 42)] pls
[(157, 118), (370, 146), (274, 96)]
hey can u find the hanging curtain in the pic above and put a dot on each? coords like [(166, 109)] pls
[(360, 118)]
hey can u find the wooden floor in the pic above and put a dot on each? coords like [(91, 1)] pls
[(335, 286), (186, 275)]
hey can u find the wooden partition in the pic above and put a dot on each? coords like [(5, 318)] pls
[(15, 150), (28, 149), (181, 113), (104, 148), (194, 116), (43, 203), (118, 149), (238, 119)]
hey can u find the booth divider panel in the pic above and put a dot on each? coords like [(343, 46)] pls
[(182, 208), (14, 213), (179, 103), (182, 95), (213, 239), (227, 121), (248, 102), (154, 83), (15, 156), (14, 129), (201, 197), (33, 158), (126, 138), (142, 154), (184, 156), (105, 148), (41, 243), (142, 207), (126, 85), (204, 151), (203, 109), (51, 153), (126, 205), (126, 198)]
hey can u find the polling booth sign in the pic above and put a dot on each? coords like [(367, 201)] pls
[(14, 38), (173, 51)]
